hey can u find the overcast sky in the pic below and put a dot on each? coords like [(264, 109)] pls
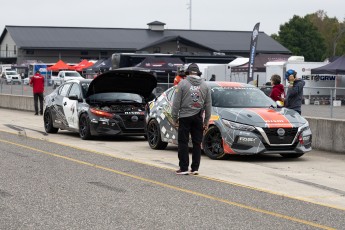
[(227, 15)]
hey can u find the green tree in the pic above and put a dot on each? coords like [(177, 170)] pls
[(332, 31), (302, 38)]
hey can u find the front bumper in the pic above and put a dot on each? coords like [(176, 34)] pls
[(119, 125), (266, 141)]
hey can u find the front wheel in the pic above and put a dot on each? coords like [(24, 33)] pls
[(292, 155), (154, 136), (48, 123), (213, 145), (84, 127)]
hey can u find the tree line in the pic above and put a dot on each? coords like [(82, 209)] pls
[(314, 36)]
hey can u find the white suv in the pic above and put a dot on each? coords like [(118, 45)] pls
[(65, 76), (11, 77)]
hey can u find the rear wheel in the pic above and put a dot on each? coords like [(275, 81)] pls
[(293, 155), (213, 145), (84, 127), (154, 136), (48, 122)]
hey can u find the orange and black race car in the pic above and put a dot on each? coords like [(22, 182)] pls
[(244, 121)]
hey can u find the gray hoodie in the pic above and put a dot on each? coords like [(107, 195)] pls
[(191, 96), (294, 95)]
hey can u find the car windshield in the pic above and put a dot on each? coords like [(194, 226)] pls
[(116, 97), (11, 73), (72, 74), (240, 97)]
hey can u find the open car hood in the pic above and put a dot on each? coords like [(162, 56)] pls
[(126, 80)]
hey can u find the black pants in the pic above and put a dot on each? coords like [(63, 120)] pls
[(194, 126), (38, 96)]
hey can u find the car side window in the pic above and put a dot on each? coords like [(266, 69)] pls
[(75, 90), (171, 93), (64, 90)]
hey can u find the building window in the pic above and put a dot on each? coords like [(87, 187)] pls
[(183, 49), (156, 49), (84, 53), (15, 49), (30, 52)]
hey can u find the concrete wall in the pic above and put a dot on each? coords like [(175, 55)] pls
[(328, 134), (17, 102)]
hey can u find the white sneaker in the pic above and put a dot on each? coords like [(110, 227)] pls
[(179, 172), (194, 172)]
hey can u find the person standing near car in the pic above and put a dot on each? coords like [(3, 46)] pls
[(192, 98), (37, 84), (180, 76), (277, 93), (294, 94)]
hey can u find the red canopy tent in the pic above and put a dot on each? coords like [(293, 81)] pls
[(60, 65), (82, 65)]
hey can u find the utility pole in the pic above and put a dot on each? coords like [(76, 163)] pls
[(189, 6)]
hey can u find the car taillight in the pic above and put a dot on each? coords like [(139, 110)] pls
[(101, 113)]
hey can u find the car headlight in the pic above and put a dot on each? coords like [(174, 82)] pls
[(238, 126), (304, 127)]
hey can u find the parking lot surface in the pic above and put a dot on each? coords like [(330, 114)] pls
[(316, 177)]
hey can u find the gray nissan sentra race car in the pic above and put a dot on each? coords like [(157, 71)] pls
[(111, 104), (244, 121)]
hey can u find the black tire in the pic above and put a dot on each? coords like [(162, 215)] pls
[(154, 135), (213, 145), (84, 127), (48, 122), (292, 155)]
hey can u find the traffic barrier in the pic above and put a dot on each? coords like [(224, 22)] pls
[(328, 134)]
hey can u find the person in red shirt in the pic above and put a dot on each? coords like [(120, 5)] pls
[(37, 84), (180, 76), (277, 94)]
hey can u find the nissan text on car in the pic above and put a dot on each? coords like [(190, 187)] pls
[(111, 104), (244, 121)]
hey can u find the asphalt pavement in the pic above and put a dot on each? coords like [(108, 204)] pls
[(46, 185)]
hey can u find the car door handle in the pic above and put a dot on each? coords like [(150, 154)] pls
[(65, 103)]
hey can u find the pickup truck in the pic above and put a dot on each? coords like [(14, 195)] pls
[(64, 76)]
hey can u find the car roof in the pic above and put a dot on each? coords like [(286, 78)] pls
[(227, 84), (80, 80)]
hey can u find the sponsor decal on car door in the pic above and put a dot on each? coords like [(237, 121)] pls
[(70, 110)]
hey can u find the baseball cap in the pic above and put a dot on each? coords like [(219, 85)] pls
[(193, 68)]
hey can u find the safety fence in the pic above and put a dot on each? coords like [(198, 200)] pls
[(325, 102)]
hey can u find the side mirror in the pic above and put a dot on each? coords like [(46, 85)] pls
[(73, 97)]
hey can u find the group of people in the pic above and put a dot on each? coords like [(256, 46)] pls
[(294, 96)]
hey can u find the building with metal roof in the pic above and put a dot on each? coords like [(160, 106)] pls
[(72, 44)]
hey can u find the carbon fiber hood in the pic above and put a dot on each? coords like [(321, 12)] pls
[(127, 80)]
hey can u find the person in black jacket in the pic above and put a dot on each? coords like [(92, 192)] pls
[(294, 95)]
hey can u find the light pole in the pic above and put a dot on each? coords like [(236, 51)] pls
[(189, 7)]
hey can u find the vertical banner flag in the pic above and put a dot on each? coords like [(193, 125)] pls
[(253, 43)]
